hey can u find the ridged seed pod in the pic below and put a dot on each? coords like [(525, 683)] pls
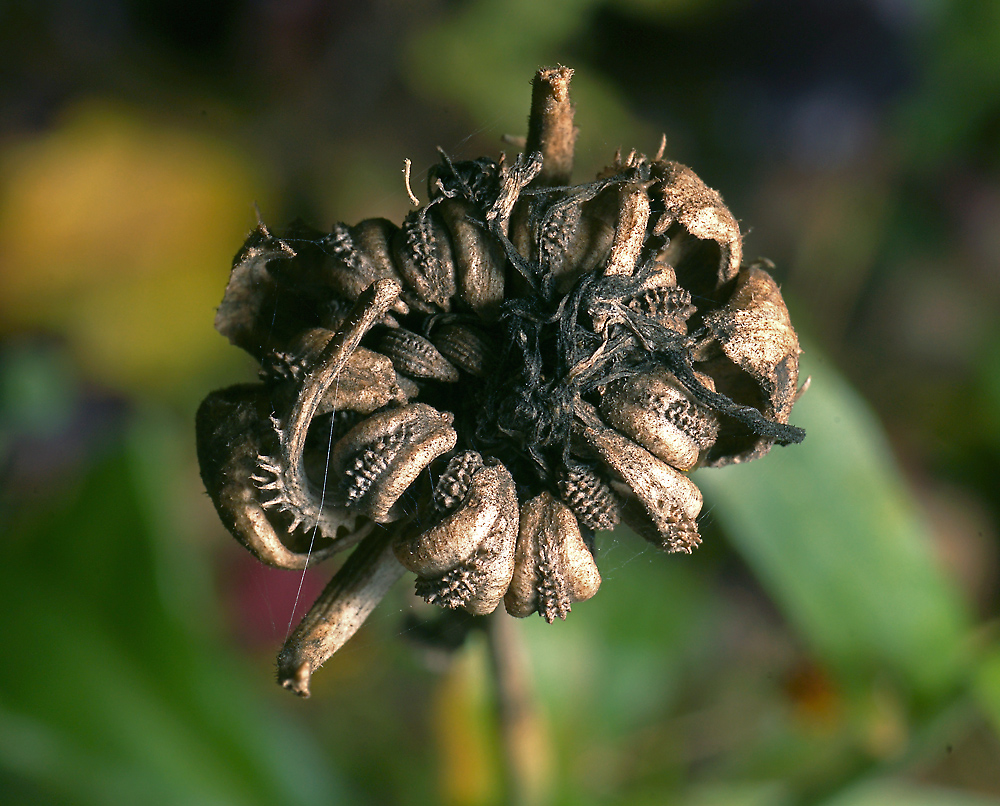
[(467, 558), (653, 409), (553, 567), (378, 459)]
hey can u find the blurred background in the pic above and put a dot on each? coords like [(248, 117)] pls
[(834, 641)]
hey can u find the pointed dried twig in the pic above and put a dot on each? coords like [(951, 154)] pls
[(341, 609)]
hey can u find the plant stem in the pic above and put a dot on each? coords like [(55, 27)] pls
[(550, 126), (524, 740)]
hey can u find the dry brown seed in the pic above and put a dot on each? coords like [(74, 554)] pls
[(232, 430), (415, 356), (630, 233), (467, 559), (752, 353), (661, 299), (651, 408), (569, 237), (423, 254), (453, 485), (674, 531), (553, 566), (590, 498), (362, 256), (341, 609), (380, 457), (670, 498), (366, 382), (479, 261), (283, 472), (465, 347)]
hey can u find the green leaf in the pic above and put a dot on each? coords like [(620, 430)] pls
[(898, 793), (115, 693), (838, 540), (987, 685)]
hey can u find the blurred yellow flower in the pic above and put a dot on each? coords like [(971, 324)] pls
[(115, 233)]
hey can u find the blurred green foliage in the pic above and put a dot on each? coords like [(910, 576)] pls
[(833, 641)]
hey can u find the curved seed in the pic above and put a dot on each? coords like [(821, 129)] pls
[(752, 353), (465, 347), (705, 247), (424, 256), (284, 471), (467, 559), (671, 499), (630, 234), (479, 260), (341, 609), (231, 434), (553, 566), (413, 355), (381, 456), (652, 409), (362, 256), (590, 498)]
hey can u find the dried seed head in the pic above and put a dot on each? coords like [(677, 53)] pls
[(553, 566), (556, 355)]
